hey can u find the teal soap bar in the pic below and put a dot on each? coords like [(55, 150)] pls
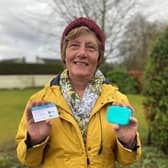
[(118, 114)]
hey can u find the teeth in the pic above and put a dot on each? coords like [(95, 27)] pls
[(80, 63)]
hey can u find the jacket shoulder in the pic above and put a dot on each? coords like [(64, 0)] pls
[(111, 90), (55, 80)]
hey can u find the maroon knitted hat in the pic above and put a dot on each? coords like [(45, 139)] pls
[(91, 24)]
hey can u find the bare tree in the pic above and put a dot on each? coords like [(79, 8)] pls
[(127, 33), (112, 15), (136, 45)]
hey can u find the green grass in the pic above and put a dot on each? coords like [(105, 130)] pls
[(12, 106), (136, 101)]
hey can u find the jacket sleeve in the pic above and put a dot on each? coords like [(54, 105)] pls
[(124, 155), (28, 156)]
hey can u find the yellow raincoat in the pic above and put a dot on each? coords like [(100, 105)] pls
[(64, 148)]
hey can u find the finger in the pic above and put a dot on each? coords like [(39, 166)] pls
[(133, 120), (129, 106), (48, 122), (116, 127), (116, 104), (45, 102), (41, 102), (29, 115), (34, 103)]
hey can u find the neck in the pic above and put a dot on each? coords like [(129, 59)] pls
[(79, 85)]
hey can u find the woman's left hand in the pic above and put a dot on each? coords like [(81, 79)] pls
[(127, 133)]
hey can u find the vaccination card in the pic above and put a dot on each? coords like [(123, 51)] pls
[(44, 112)]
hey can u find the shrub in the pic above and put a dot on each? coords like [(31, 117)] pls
[(105, 67), (125, 82), (156, 92), (152, 158)]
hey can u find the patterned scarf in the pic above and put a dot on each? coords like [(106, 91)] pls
[(81, 107)]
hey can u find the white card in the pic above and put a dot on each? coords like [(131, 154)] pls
[(44, 112)]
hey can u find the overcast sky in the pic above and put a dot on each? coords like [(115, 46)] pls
[(18, 39)]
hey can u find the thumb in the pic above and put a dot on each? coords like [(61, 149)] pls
[(48, 122), (116, 127)]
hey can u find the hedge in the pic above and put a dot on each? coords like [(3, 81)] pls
[(24, 68)]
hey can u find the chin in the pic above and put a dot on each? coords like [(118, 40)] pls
[(82, 75)]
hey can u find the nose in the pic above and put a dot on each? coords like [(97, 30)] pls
[(82, 51)]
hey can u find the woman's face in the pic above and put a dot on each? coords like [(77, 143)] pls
[(82, 56)]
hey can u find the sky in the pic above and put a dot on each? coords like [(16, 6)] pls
[(20, 38)]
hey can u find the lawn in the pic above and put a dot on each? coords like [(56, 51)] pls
[(137, 102), (12, 106)]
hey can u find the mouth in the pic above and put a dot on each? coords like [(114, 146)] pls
[(81, 62)]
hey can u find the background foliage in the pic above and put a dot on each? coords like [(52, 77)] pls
[(156, 92), (125, 82)]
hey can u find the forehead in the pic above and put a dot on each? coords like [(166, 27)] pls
[(88, 38), (82, 34)]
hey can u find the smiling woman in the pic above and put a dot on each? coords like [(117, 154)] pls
[(80, 136), (81, 55)]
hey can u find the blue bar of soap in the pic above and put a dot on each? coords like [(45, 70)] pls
[(119, 114)]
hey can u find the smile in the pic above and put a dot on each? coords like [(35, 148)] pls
[(81, 62)]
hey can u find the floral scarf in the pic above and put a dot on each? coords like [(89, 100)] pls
[(81, 107)]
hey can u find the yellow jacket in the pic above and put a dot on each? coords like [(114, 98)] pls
[(64, 148)]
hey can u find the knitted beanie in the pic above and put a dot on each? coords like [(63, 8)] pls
[(91, 24)]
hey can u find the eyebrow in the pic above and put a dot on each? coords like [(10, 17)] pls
[(89, 42)]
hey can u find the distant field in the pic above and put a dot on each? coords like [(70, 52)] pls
[(13, 103)]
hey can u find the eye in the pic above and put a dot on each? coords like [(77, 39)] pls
[(73, 45), (92, 47)]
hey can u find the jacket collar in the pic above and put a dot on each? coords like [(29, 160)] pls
[(107, 95)]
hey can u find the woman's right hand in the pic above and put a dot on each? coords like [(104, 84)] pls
[(37, 131)]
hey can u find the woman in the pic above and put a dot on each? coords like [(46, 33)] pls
[(80, 137)]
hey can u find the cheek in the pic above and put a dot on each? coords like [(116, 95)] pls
[(94, 60), (70, 53)]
